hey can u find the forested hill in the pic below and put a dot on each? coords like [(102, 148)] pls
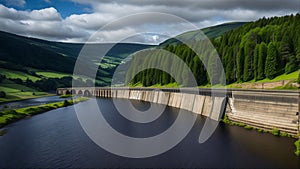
[(262, 49), (265, 48), (210, 32)]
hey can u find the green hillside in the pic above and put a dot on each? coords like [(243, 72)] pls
[(255, 51), (42, 65), (53, 56)]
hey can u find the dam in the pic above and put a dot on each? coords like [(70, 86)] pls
[(262, 109)]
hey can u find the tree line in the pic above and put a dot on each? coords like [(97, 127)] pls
[(257, 50)]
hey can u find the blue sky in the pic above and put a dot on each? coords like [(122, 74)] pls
[(64, 7), (77, 20)]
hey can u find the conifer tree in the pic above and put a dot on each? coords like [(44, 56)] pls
[(255, 62), (262, 54), (271, 61)]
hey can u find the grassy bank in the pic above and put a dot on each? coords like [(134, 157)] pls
[(291, 76), (275, 131), (9, 116), (66, 96)]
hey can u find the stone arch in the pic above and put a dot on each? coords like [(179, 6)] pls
[(68, 92), (73, 91), (87, 93), (79, 92), (59, 92)]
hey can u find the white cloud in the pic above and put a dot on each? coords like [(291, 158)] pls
[(45, 23), (112, 35), (43, 14), (48, 24), (89, 21), (204, 4)]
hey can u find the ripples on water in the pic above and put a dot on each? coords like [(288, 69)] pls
[(56, 139)]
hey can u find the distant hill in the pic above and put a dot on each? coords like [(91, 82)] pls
[(54, 56), (210, 32)]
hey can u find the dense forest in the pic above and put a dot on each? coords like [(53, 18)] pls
[(257, 50)]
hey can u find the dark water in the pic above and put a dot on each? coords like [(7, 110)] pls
[(56, 139), (30, 102)]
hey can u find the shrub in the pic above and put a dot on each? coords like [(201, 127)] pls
[(297, 144), (275, 132), (66, 103), (248, 127), (226, 120), (239, 124), (284, 134)]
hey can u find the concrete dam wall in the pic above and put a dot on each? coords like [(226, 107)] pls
[(262, 109), (266, 110), (191, 102)]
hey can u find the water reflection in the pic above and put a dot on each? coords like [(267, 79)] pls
[(56, 139)]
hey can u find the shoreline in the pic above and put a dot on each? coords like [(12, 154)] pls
[(11, 116), (22, 99)]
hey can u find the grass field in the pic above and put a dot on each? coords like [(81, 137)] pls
[(170, 85), (53, 74), (18, 92), (16, 74), (11, 85), (291, 76), (60, 75)]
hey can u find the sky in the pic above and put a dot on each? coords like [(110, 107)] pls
[(77, 20)]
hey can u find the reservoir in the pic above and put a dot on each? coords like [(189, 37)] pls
[(56, 139)]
